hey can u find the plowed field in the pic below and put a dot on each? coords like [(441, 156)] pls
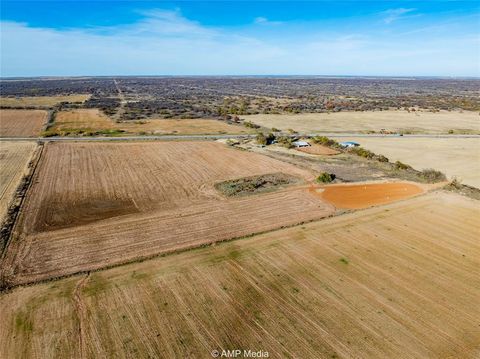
[(398, 281), (97, 204), (14, 158), (22, 123)]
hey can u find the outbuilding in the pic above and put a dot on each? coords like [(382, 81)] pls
[(349, 144), (301, 144)]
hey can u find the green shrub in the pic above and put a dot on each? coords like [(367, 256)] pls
[(402, 166), (285, 141), (325, 177), (250, 124), (432, 176), (381, 158), (362, 152), (265, 140)]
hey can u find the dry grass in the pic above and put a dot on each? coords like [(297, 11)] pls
[(14, 159), (22, 123), (456, 157), (93, 120), (133, 200), (387, 282), (41, 101), (359, 122)]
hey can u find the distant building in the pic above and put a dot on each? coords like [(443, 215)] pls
[(301, 144), (349, 144)]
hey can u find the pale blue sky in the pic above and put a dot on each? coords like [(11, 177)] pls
[(386, 38)]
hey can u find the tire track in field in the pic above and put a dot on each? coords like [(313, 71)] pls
[(81, 312)]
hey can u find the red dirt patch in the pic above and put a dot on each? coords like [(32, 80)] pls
[(366, 195), (318, 150)]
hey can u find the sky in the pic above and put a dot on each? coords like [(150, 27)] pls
[(353, 38)]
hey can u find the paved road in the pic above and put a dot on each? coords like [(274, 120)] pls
[(217, 137)]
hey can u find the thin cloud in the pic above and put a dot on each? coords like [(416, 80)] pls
[(392, 15), (264, 21), (165, 42)]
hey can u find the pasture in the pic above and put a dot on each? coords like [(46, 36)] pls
[(456, 157), (41, 101), (374, 121), (22, 123), (385, 282), (133, 200), (91, 120)]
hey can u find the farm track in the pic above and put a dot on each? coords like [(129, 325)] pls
[(81, 311)]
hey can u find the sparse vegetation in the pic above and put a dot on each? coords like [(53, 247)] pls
[(255, 184), (402, 166), (250, 124), (430, 175)]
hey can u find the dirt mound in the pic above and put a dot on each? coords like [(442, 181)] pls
[(318, 150), (366, 195)]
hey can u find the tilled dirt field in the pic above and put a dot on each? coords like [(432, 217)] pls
[(133, 200), (357, 196), (22, 123), (14, 159), (385, 282)]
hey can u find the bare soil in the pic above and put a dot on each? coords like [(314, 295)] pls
[(357, 196)]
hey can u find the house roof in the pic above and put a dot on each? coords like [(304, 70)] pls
[(350, 143), (301, 143)]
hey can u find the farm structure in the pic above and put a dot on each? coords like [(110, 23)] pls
[(349, 144), (300, 144)]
